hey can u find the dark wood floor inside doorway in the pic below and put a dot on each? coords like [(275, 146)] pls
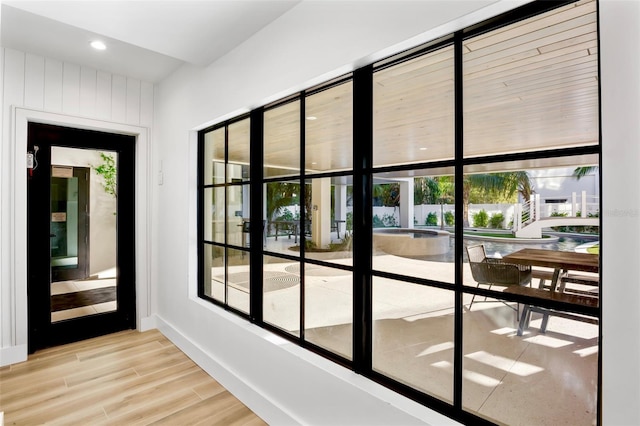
[(122, 378)]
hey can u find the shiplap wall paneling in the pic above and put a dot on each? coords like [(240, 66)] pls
[(4, 317), (53, 85), (13, 91), (133, 101), (88, 77), (103, 95), (118, 98), (34, 81), (146, 104), (71, 89)]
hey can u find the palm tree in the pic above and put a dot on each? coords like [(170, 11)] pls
[(505, 184), (580, 172), (279, 195)]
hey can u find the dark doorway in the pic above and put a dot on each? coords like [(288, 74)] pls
[(81, 266)]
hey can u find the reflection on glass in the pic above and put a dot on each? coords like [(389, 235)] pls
[(328, 130), (413, 110), (282, 140), (283, 217), (214, 276), (83, 234), (213, 214), (413, 219), (533, 85), (281, 292), (238, 279), (238, 215), (413, 335), (329, 308), (214, 150), (503, 372), (239, 151)]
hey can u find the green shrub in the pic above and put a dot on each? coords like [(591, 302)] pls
[(496, 221), (389, 220), (449, 218), (431, 220), (377, 222), (481, 219)]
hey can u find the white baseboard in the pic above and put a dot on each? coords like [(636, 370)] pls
[(13, 355), (148, 323), (257, 402)]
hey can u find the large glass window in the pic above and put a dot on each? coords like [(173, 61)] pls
[(413, 113), (533, 85), (431, 221), (225, 204)]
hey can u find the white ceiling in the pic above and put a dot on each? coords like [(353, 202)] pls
[(145, 39)]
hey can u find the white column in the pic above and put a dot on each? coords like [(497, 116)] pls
[(321, 212), (406, 203), (583, 210), (340, 207), (574, 205)]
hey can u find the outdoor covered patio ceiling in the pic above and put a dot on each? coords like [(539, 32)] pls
[(529, 86)]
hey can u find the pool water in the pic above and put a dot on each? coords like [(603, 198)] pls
[(500, 249)]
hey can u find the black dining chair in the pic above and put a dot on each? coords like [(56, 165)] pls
[(490, 271)]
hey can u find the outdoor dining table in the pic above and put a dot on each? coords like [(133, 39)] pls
[(560, 261)]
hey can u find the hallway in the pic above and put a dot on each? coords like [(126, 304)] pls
[(123, 378)]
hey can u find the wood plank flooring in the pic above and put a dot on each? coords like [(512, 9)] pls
[(126, 378)]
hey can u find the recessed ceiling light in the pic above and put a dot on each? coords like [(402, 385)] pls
[(311, 117), (98, 45), (423, 149)]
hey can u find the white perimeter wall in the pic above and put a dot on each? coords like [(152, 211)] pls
[(309, 44), (76, 95)]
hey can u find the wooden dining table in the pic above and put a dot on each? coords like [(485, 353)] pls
[(560, 261)]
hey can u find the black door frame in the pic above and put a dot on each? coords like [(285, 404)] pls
[(42, 333)]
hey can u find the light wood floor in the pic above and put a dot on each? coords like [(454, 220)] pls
[(122, 379)]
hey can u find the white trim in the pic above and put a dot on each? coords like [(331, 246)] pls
[(13, 355), (18, 222)]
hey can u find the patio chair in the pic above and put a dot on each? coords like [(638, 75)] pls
[(490, 271)]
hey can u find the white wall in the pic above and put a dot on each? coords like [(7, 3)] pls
[(73, 95), (311, 43), (620, 65)]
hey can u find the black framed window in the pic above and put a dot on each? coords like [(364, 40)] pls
[(372, 189)]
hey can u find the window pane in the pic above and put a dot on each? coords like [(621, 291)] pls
[(283, 217), (547, 203), (282, 140), (330, 206), (328, 128), (413, 219), (238, 213), (214, 157), (238, 279), (329, 308), (413, 110), (533, 85), (214, 279), (413, 335), (214, 214), (239, 151), (509, 378), (281, 292)]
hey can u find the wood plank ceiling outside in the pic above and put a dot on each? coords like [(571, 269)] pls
[(527, 86)]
